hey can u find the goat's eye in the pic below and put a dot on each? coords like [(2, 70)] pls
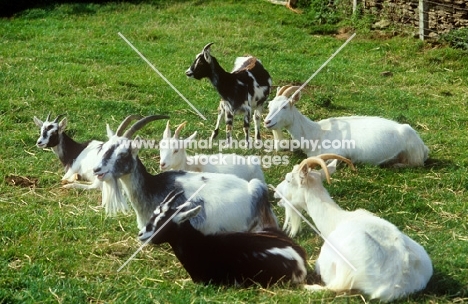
[(49, 127), (175, 151)]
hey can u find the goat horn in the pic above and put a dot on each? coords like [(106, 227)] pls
[(141, 123), (290, 90), (328, 156), (281, 90), (171, 196), (310, 162), (48, 116), (179, 128), (206, 48), (57, 118), (125, 123)]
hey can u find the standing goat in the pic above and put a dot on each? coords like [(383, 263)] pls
[(387, 264), (79, 160), (363, 139), (230, 203), (173, 155), (229, 258), (245, 88)]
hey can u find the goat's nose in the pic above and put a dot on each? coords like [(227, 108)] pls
[(267, 121), (189, 73), (162, 165)]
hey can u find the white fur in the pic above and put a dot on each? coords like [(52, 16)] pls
[(389, 265), (363, 139), (229, 203), (173, 155)]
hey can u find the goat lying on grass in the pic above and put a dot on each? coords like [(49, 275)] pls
[(241, 258), (363, 139), (79, 160), (387, 263), (173, 155), (230, 203)]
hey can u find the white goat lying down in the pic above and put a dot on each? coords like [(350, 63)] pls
[(226, 258), (173, 155), (363, 139), (230, 203), (388, 264)]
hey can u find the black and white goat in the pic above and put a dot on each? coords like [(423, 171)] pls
[(79, 159), (230, 203), (245, 89), (231, 258)]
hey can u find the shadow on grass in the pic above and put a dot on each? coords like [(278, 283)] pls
[(443, 285)]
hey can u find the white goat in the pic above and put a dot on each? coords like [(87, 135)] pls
[(363, 139), (230, 203), (173, 155), (228, 258), (388, 264)]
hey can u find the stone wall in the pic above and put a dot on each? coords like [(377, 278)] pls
[(444, 15)]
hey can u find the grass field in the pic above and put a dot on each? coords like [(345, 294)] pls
[(57, 245)]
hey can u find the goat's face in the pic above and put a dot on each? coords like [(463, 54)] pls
[(118, 158), (50, 132), (201, 67), (279, 114), (166, 218), (172, 151)]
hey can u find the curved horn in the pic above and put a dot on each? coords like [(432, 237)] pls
[(57, 118), (141, 123), (207, 47), (125, 123), (290, 90), (328, 156), (281, 90), (179, 128), (308, 163), (48, 116)]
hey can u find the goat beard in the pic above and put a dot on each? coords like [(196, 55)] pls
[(113, 199)]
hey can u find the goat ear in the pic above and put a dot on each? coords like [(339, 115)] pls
[(331, 169), (109, 132), (38, 122), (63, 124), (167, 131), (190, 138), (186, 215), (206, 52), (296, 98), (135, 147)]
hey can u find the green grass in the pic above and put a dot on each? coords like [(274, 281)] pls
[(57, 245)]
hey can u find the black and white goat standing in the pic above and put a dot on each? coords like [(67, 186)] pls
[(79, 159), (241, 258), (230, 203), (247, 87)]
